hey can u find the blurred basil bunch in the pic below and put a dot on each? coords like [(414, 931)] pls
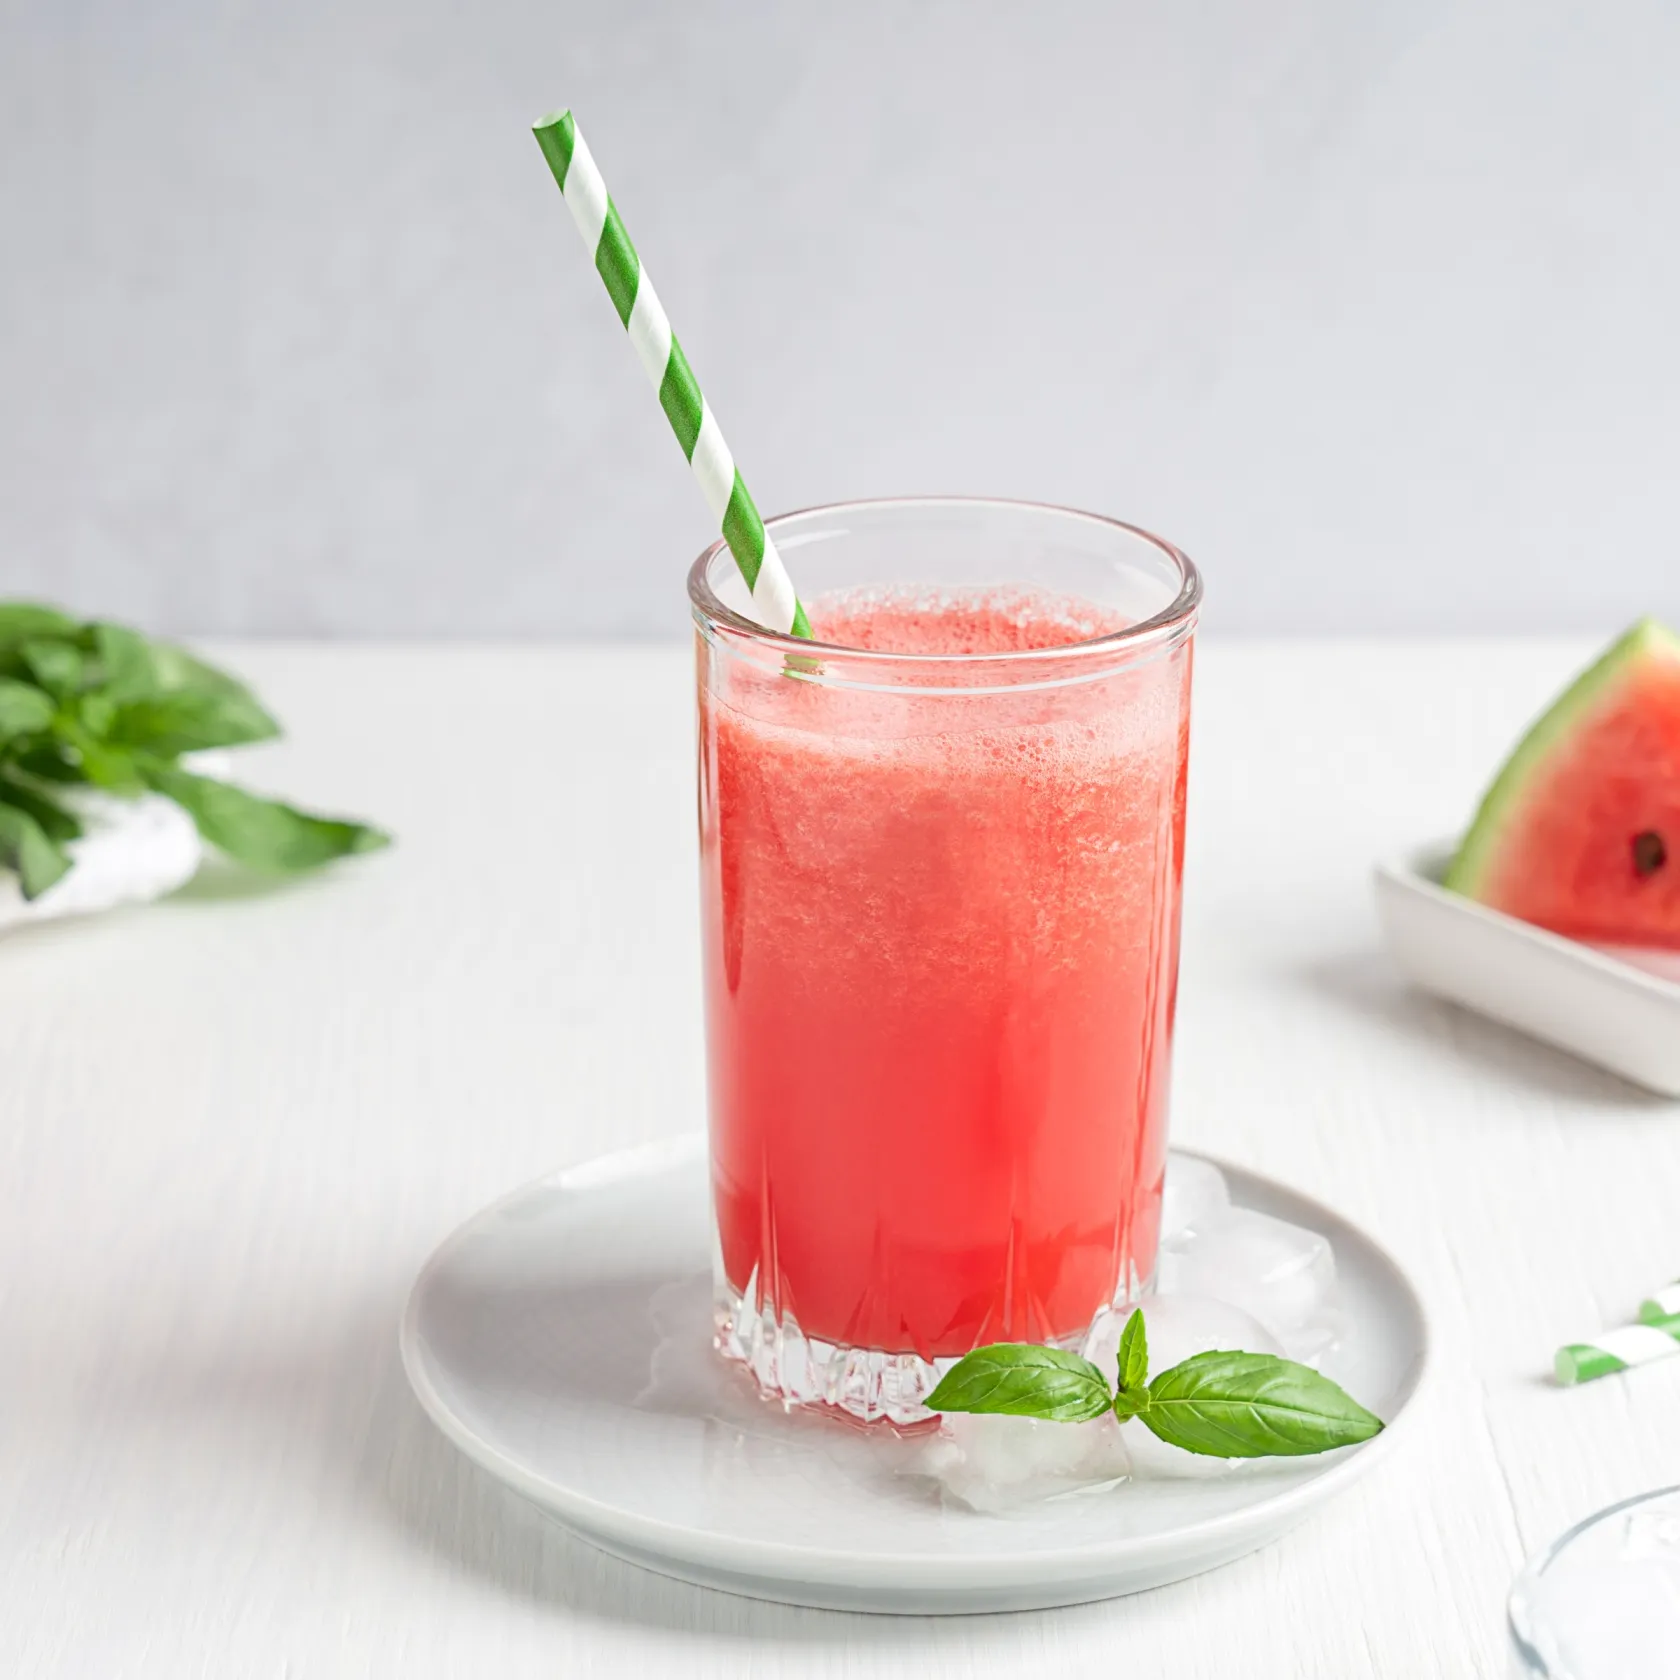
[(102, 706)]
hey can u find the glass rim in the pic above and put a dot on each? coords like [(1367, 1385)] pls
[(708, 610)]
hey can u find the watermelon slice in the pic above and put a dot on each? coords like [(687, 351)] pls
[(1580, 832)]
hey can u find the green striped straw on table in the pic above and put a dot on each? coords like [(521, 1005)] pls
[(774, 602), (1617, 1350), (1664, 1304)]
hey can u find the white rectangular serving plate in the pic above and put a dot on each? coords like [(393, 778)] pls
[(1618, 1009)]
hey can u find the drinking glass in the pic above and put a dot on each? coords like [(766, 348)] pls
[(940, 899), (1603, 1601)]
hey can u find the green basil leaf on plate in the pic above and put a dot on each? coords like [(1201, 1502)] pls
[(1253, 1405), (1134, 1353), (1021, 1379)]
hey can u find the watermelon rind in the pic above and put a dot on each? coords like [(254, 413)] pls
[(1646, 640)]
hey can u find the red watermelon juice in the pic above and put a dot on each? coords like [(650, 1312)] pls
[(940, 952)]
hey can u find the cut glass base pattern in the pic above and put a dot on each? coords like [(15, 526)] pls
[(800, 1370)]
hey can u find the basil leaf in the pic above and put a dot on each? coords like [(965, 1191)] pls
[(24, 847), (48, 763), (100, 703), (1023, 1380), (261, 832), (22, 619), (127, 658), (24, 709), (1131, 1395), (97, 712), (137, 668), (191, 720), (56, 666), (1253, 1405), (1134, 1353), (173, 667), (55, 822), (111, 768)]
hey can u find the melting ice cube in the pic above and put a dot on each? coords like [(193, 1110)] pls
[(997, 1464), (1196, 1194), (1279, 1273), (1176, 1327)]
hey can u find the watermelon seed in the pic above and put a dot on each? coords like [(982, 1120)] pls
[(1649, 853)]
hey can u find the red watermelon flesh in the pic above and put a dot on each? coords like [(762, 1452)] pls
[(1580, 832)]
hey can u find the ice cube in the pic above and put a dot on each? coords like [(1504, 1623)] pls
[(997, 1464), (1281, 1274), (1195, 1195), (1156, 1460), (1176, 1327)]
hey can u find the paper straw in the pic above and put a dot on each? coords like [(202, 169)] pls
[(774, 602), (1664, 1304), (1617, 1350)]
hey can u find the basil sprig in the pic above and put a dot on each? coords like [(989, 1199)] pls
[(1224, 1405), (100, 705)]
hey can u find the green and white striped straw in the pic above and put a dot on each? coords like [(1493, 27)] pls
[(1664, 1304), (774, 602), (1617, 1350)]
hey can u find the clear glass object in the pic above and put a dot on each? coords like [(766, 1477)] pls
[(940, 901), (1603, 1601)]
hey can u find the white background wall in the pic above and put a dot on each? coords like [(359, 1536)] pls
[(1372, 306)]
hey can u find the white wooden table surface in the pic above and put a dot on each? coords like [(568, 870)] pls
[(234, 1125)]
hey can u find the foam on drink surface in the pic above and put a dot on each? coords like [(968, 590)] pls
[(945, 622), (1050, 797)]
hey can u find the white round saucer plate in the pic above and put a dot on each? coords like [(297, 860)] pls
[(562, 1340)]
